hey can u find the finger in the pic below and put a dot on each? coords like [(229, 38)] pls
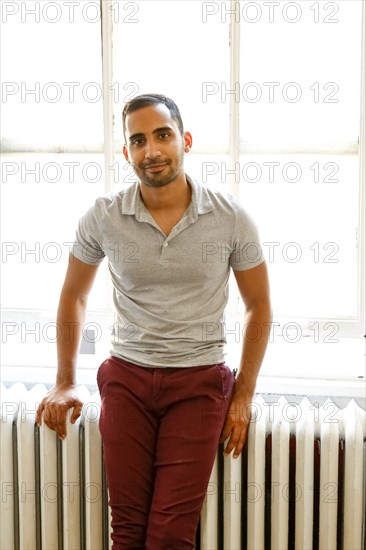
[(61, 422), (228, 425), (39, 414), (239, 446), (76, 412), (227, 430), (235, 434), (49, 417)]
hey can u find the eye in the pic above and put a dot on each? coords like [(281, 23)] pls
[(164, 135), (138, 141)]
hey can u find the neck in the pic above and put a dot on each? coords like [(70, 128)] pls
[(176, 194)]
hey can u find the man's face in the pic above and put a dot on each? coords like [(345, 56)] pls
[(154, 146)]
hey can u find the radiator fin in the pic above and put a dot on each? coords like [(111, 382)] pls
[(50, 490), (354, 426), (232, 496), (256, 476), (71, 488), (304, 477), (280, 478), (26, 469), (328, 476), (93, 474), (10, 399)]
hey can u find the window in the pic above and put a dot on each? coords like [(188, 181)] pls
[(52, 163), (271, 92), (291, 151)]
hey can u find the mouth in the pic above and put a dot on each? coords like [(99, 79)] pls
[(155, 168)]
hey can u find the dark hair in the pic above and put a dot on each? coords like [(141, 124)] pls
[(145, 100)]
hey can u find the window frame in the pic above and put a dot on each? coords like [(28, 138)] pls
[(349, 328)]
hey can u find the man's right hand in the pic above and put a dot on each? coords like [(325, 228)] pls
[(71, 313), (54, 407)]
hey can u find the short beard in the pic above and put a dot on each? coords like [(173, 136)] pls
[(151, 181)]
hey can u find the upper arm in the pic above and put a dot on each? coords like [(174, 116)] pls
[(79, 278), (254, 285)]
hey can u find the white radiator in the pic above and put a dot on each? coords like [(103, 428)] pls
[(299, 484)]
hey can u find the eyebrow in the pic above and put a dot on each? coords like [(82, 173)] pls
[(156, 131)]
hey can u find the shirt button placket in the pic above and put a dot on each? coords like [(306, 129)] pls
[(163, 251)]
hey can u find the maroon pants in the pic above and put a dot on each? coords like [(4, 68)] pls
[(160, 429)]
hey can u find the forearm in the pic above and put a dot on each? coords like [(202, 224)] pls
[(255, 338), (70, 319)]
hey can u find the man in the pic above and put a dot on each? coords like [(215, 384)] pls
[(167, 396)]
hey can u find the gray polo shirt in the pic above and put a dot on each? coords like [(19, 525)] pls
[(169, 291)]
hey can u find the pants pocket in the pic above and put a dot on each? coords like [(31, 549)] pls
[(227, 380)]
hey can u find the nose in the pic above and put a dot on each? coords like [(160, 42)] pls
[(152, 150)]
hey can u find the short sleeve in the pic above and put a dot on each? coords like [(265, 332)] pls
[(247, 250), (87, 246)]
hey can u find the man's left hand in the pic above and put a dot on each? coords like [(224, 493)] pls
[(237, 423)]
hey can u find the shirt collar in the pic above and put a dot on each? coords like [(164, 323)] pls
[(132, 203)]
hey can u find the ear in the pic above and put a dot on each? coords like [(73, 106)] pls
[(187, 141), (125, 153)]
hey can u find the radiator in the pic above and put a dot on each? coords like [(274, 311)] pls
[(299, 484)]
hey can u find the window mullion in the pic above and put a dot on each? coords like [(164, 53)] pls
[(107, 65), (362, 200), (234, 138), (108, 116)]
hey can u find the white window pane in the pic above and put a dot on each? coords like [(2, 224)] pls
[(39, 218), (300, 73), (207, 170), (306, 207), (52, 77), (172, 48)]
